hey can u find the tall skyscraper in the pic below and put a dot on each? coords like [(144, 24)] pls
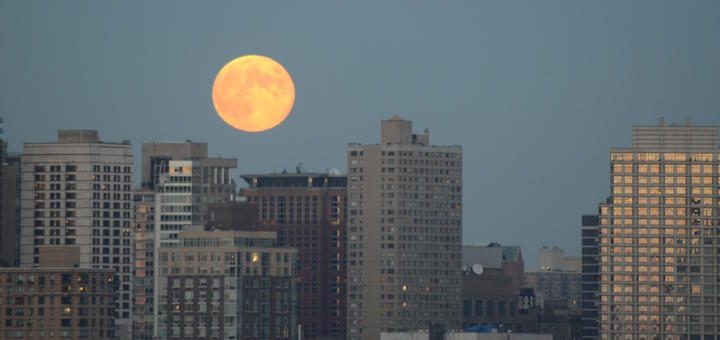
[(404, 233), (226, 285), (590, 279), (658, 235), (77, 191), (308, 212)]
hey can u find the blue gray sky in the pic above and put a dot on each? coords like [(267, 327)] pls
[(536, 92)]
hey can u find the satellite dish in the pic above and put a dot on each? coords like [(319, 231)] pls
[(477, 269), (465, 268)]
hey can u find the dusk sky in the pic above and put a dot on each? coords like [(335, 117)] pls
[(536, 92)]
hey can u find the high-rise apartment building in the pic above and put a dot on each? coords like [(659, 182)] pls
[(185, 181), (658, 236), (404, 233), (227, 285), (144, 219), (590, 279), (77, 191), (177, 203), (308, 212), (177, 209), (211, 175)]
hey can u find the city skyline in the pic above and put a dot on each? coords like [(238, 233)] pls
[(654, 244), (552, 100)]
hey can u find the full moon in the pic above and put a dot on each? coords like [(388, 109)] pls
[(253, 93)]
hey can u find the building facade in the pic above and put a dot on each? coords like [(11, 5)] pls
[(10, 210), (57, 300), (554, 259), (308, 212), (492, 295), (77, 191), (177, 209), (144, 234), (184, 181), (212, 176), (227, 285), (404, 233), (658, 236), (590, 279), (559, 287)]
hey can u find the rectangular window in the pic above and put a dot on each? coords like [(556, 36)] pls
[(478, 308), (467, 307)]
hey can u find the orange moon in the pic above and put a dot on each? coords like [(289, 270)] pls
[(253, 93)]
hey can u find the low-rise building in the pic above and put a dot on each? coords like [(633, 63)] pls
[(57, 300), (465, 336), (492, 293)]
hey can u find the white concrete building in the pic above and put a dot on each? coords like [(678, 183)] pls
[(77, 191)]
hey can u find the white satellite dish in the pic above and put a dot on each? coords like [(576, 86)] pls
[(477, 269), (465, 268)]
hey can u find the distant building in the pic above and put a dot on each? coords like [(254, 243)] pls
[(234, 215), (144, 216), (212, 176), (658, 236), (556, 283), (77, 192), (465, 336), (492, 293), (590, 279), (553, 258), (404, 233), (308, 212), (557, 278), (9, 205), (57, 300), (177, 209), (226, 285), (184, 180), (5, 255), (10, 210)]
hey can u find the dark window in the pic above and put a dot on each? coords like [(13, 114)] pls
[(478, 308), (467, 308)]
